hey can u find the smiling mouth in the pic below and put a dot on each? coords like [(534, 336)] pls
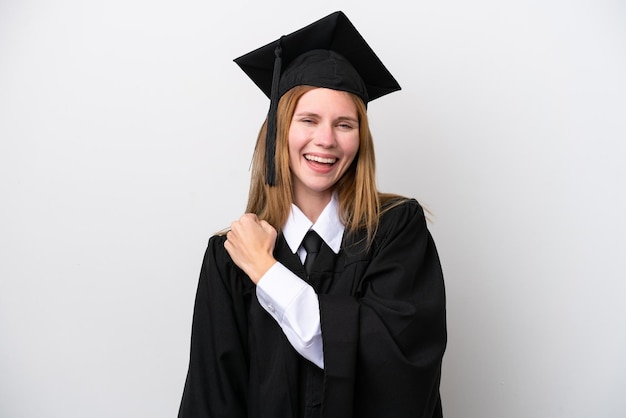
[(320, 160)]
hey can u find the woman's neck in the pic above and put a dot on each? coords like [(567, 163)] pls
[(312, 205)]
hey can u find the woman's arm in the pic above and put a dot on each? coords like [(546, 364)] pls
[(287, 298), (383, 347)]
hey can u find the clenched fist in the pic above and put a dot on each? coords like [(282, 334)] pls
[(250, 243)]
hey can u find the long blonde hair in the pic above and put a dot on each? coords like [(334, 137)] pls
[(360, 202)]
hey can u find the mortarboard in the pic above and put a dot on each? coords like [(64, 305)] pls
[(328, 53)]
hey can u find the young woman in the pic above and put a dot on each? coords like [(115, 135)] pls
[(345, 321)]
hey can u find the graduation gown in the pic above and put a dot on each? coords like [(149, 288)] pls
[(382, 314)]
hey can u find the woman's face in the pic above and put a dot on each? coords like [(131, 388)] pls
[(323, 141)]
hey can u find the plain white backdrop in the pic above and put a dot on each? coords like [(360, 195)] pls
[(126, 133)]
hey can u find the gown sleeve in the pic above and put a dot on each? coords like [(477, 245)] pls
[(383, 347), (217, 379)]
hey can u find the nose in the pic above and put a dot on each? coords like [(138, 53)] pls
[(325, 136)]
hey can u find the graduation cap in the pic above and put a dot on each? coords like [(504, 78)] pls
[(328, 53)]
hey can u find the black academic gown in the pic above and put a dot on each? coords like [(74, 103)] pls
[(382, 315)]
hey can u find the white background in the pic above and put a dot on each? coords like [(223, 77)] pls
[(126, 133)]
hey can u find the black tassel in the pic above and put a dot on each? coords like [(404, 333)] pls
[(270, 141)]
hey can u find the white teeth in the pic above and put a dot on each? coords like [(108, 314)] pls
[(320, 159)]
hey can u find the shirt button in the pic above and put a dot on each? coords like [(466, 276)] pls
[(271, 308)]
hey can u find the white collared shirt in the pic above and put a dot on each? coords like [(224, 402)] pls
[(291, 301)]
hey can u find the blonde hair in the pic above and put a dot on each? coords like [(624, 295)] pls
[(360, 202)]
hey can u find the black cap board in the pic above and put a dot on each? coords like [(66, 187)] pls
[(328, 53)]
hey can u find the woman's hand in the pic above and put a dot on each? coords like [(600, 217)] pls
[(250, 243)]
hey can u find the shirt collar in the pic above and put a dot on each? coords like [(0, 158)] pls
[(328, 226)]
